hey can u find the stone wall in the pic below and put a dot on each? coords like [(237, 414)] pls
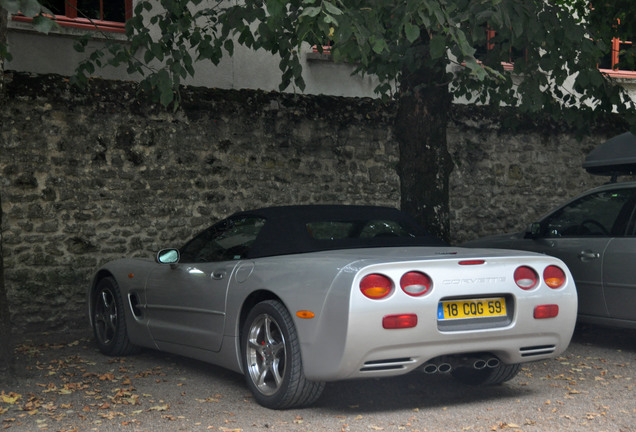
[(504, 180), (89, 178), (86, 178)]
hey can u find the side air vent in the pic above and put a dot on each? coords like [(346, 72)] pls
[(134, 305), (536, 350), (388, 364)]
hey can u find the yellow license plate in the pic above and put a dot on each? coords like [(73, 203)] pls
[(473, 308)]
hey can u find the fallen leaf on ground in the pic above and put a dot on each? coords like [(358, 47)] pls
[(10, 398)]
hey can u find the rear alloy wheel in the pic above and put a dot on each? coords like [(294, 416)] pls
[(487, 376), (272, 361), (109, 321)]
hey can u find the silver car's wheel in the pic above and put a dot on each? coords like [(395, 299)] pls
[(487, 376), (266, 355), (109, 322), (272, 361)]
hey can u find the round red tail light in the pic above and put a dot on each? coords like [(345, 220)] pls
[(526, 278), (376, 286), (554, 277), (415, 283)]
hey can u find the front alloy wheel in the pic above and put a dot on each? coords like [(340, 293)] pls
[(272, 360), (109, 322)]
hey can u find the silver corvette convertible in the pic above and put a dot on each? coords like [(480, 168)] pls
[(296, 296)]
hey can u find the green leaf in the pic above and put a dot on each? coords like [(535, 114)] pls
[(12, 6), (44, 24), (164, 86), (438, 47), (379, 45), (331, 8), (330, 20), (426, 20), (229, 46), (412, 32), (582, 79), (148, 56), (311, 12), (157, 50), (275, 7), (4, 54), (547, 63), (596, 79), (434, 9), (476, 70), (30, 8)]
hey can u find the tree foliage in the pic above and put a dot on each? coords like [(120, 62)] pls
[(536, 55), (30, 8), (542, 56)]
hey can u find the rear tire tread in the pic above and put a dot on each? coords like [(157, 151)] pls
[(503, 373), (493, 376)]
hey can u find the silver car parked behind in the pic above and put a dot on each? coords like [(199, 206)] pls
[(595, 235)]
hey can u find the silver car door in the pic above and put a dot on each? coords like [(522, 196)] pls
[(619, 281), (583, 256), (186, 300), (186, 303), (579, 234)]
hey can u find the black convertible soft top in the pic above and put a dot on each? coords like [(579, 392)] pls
[(289, 229)]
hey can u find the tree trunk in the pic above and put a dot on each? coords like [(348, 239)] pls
[(3, 42), (6, 342), (425, 164), (7, 366)]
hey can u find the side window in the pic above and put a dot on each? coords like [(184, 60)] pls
[(225, 241), (338, 230), (384, 228), (601, 214), (330, 230)]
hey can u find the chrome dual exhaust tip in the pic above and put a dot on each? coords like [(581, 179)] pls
[(447, 364)]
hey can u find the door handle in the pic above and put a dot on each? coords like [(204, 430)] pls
[(218, 275), (588, 255)]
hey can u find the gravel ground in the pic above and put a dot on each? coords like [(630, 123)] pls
[(65, 384)]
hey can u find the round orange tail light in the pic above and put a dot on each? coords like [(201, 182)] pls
[(554, 277), (376, 286)]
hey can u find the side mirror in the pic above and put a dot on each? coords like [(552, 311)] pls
[(168, 256), (533, 230)]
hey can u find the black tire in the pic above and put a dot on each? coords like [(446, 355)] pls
[(487, 376), (271, 359), (109, 320)]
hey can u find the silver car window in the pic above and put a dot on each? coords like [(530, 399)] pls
[(337, 230), (228, 240), (603, 214)]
